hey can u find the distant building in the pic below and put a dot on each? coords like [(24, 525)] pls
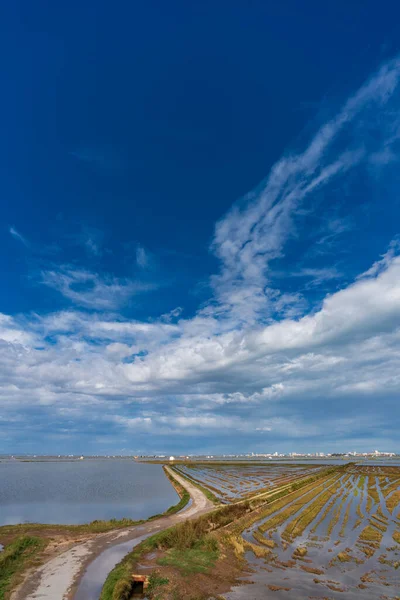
[(172, 458)]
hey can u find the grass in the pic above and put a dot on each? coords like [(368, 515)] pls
[(262, 507), (185, 549), (199, 559), (300, 552), (14, 559), (376, 522), (188, 546), (192, 538), (372, 491), (328, 507), (367, 550), (380, 516), (396, 536), (393, 501), (344, 557), (370, 534), (359, 511), (258, 551), (278, 588), (182, 493), (336, 515), (156, 581), (119, 580), (393, 485), (263, 540), (372, 538), (39, 529), (312, 570), (342, 531), (297, 526), (281, 517)]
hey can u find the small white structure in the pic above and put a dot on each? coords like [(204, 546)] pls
[(172, 458)]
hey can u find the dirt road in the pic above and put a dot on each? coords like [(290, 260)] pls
[(61, 576)]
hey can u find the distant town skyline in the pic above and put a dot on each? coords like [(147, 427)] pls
[(350, 454)]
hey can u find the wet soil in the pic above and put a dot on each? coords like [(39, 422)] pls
[(336, 544)]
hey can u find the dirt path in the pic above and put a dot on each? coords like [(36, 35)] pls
[(59, 578)]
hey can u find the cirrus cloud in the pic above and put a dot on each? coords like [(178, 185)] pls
[(255, 364)]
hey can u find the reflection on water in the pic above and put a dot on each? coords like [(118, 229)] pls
[(82, 491), (96, 573), (337, 559)]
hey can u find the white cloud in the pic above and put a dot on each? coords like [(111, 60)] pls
[(120, 351), (143, 259), (172, 314), (254, 232), (18, 236), (11, 332), (384, 262), (231, 368), (88, 289), (317, 275)]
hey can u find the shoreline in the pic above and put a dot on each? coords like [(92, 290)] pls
[(60, 576)]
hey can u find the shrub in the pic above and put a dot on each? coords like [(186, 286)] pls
[(122, 590)]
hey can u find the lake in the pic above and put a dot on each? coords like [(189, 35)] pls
[(82, 491)]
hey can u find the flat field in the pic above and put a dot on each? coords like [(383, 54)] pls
[(230, 483), (338, 537)]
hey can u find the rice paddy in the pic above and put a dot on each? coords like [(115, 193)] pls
[(337, 537), (230, 483)]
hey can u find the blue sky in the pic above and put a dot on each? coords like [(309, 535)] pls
[(200, 244)]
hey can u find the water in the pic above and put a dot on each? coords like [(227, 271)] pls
[(335, 528), (82, 491), (96, 573)]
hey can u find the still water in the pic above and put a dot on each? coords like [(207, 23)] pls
[(82, 491)]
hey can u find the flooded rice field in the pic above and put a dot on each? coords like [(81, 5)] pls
[(82, 491), (230, 483), (338, 537)]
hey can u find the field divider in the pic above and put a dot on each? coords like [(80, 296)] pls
[(277, 495)]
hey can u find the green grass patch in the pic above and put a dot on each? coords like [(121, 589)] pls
[(182, 492), (14, 558), (38, 529), (156, 581), (181, 538), (190, 560), (191, 539)]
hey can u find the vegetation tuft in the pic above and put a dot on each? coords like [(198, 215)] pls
[(199, 559), (14, 559)]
